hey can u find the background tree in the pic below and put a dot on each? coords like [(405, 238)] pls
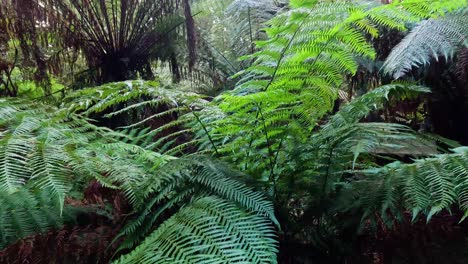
[(118, 39)]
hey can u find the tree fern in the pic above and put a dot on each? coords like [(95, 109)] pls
[(64, 148), (192, 178), (293, 82), (296, 75), (232, 27), (194, 208), (430, 39)]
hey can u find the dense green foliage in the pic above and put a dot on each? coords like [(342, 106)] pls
[(431, 38), (282, 155)]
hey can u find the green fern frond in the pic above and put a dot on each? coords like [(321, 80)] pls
[(297, 73), (65, 147), (344, 144), (373, 100), (430, 39), (138, 93), (209, 230), (198, 176), (26, 212), (426, 186)]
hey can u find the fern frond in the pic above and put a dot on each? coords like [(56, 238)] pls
[(373, 100), (344, 144), (138, 93), (430, 39), (426, 186), (196, 174), (210, 230), (27, 212), (39, 147), (298, 72)]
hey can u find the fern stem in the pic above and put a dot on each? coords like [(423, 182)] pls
[(270, 150), (204, 129), (283, 52)]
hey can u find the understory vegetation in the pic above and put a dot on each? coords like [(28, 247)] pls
[(233, 131)]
